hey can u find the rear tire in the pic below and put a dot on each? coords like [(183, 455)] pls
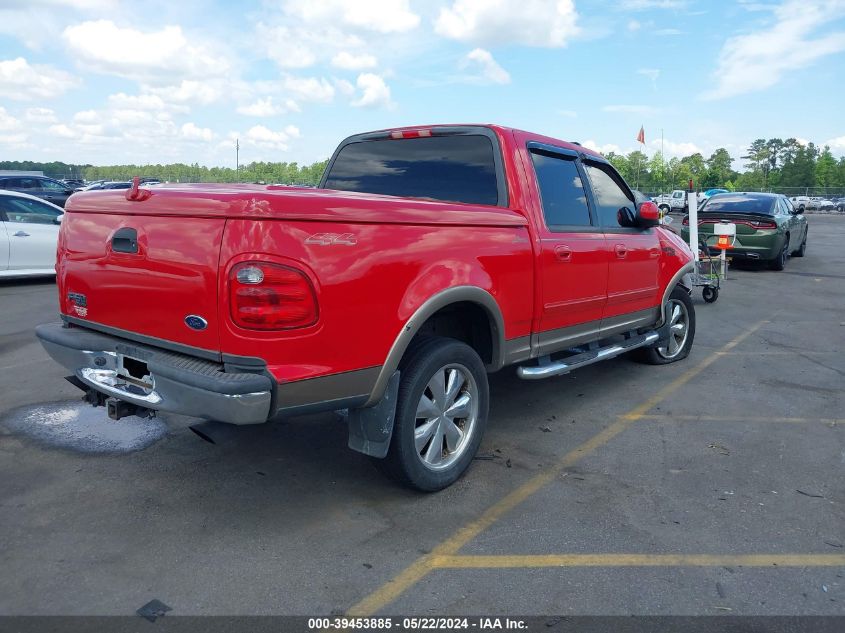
[(681, 314), (441, 413), (779, 262)]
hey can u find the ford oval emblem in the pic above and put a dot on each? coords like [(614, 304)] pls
[(196, 322)]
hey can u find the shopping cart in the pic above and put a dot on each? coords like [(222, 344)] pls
[(707, 274)]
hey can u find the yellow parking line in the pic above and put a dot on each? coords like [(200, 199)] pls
[(638, 560), (741, 418), (412, 574)]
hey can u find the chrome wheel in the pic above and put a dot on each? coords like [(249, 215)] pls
[(446, 416), (678, 317)]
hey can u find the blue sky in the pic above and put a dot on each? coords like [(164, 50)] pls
[(111, 81)]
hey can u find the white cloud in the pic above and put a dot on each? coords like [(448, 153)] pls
[(668, 32), (152, 56), (8, 123), (290, 48), (382, 16), (348, 61), (634, 25), (309, 88), (758, 60), (488, 69), (630, 109), (267, 107), (374, 92), (836, 145), (63, 131), (602, 149), (645, 5), (189, 90), (40, 115), (22, 81), (264, 137), (193, 132), (571, 114), (675, 148), (526, 22), (651, 73), (153, 102), (344, 87)]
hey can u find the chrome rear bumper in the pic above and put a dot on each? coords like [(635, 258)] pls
[(158, 379)]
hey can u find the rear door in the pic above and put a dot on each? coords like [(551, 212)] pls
[(32, 230), (634, 254), (573, 252)]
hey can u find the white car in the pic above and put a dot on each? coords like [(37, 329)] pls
[(29, 230)]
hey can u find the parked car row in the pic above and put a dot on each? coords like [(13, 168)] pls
[(817, 203), (768, 227), (58, 191)]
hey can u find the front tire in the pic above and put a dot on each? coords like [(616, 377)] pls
[(441, 413), (680, 313)]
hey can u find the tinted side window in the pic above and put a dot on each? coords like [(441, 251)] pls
[(25, 211), (455, 168), (608, 194), (51, 185), (561, 191)]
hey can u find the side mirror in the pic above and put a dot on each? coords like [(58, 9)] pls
[(648, 215), (798, 211), (58, 219)]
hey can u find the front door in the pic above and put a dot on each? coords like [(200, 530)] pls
[(573, 255), (634, 254), (4, 245)]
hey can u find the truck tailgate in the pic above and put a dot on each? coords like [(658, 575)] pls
[(149, 287)]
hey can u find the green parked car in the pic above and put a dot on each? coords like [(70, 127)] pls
[(768, 227)]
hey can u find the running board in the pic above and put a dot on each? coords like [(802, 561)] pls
[(566, 365)]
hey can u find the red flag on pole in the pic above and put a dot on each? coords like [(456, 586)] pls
[(641, 136)]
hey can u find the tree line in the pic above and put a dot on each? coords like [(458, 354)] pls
[(266, 172), (773, 164)]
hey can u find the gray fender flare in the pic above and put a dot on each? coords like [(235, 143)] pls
[(470, 294), (679, 278)]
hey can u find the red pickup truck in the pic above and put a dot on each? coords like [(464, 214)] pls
[(427, 258)]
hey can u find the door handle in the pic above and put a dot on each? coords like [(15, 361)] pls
[(125, 240), (621, 251), (563, 253), (21, 234)]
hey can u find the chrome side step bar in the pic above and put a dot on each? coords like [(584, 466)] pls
[(566, 365)]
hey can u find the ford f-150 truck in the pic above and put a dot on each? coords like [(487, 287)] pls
[(427, 258)]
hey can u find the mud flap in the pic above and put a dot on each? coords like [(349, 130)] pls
[(370, 429)]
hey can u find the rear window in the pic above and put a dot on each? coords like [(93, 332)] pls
[(739, 204), (456, 168)]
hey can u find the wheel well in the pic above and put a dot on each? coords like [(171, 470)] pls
[(464, 321)]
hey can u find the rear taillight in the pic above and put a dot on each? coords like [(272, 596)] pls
[(764, 224), (686, 221), (265, 296)]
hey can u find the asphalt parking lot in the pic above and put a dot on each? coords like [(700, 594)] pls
[(713, 486)]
